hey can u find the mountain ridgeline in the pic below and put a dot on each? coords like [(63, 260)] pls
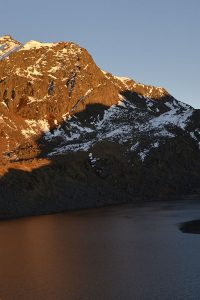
[(73, 136)]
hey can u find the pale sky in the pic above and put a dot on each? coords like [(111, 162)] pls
[(152, 41)]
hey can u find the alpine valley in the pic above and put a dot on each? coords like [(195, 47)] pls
[(74, 136)]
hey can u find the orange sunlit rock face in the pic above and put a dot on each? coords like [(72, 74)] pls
[(27, 166), (42, 84)]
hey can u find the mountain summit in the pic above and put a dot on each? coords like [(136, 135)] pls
[(7, 46), (86, 137)]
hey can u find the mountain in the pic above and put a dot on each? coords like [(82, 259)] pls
[(8, 45), (75, 136)]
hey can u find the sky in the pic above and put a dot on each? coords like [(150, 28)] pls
[(152, 41)]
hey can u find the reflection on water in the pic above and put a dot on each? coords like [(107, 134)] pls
[(122, 252)]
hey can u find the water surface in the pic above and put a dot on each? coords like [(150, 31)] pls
[(127, 252)]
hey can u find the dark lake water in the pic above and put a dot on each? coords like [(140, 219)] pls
[(127, 252)]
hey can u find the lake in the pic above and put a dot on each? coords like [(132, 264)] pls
[(122, 252)]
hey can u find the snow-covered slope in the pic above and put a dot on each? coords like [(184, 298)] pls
[(138, 129), (36, 45)]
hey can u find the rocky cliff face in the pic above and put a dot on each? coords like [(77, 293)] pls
[(73, 132)]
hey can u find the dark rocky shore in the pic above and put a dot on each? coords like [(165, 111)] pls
[(191, 227)]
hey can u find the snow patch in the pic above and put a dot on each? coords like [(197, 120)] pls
[(35, 127), (36, 45), (122, 79)]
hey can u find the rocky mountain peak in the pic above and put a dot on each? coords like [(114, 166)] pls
[(57, 105), (43, 84), (7, 38), (7, 46)]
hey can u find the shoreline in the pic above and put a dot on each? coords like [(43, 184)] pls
[(136, 202)]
